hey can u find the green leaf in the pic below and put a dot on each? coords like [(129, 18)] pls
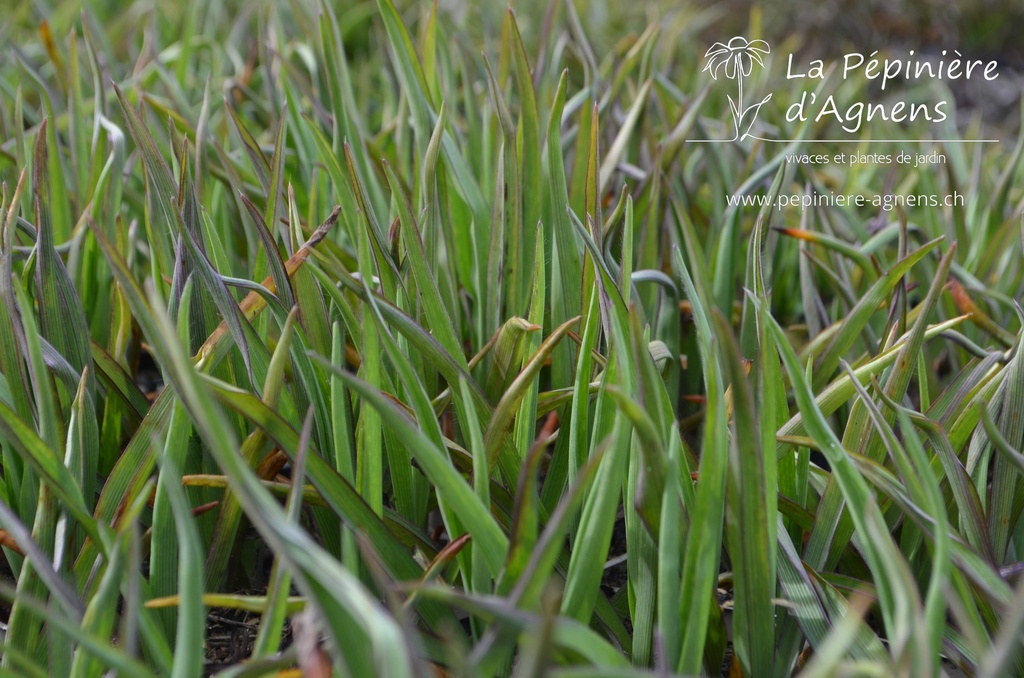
[(858, 317), (465, 504), (747, 520), (506, 408), (439, 322), (188, 654)]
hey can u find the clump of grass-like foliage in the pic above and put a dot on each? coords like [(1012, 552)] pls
[(401, 359)]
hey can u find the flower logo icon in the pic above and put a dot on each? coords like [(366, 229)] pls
[(737, 56), (737, 59)]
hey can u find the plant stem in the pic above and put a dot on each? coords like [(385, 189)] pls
[(739, 100)]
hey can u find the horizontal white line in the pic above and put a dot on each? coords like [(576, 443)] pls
[(852, 141)]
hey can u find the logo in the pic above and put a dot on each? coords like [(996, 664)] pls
[(885, 90), (737, 58)]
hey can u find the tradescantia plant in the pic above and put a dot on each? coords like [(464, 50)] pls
[(332, 347)]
